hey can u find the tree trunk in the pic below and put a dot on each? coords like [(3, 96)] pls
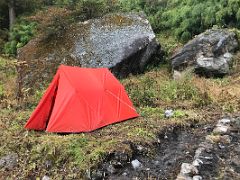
[(12, 14)]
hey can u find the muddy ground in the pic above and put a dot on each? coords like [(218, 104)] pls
[(177, 145)]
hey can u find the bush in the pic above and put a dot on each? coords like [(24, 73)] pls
[(178, 90), (143, 93), (154, 89), (19, 35), (88, 9), (186, 18)]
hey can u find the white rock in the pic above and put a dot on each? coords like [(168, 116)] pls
[(46, 178), (140, 148), (136, 164), (124, 174), (220, 129), (224, 121), (197, 162), (197, 177), (187, 169), (177, 75), (198, 152), (169, 113)]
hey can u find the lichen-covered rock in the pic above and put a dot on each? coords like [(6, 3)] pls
[(210, 53), (125, 43)]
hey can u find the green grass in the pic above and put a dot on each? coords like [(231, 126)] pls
[(157, 88), (168, 42), (193, 99)]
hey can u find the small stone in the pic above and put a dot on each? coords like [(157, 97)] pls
[(224, 121), (221, 146), (140, 148), (197, 177), (96, 175), (124, 174), (88, 174), (48, 164), (198, 152), (221, 129), (208, 157), (111, 169), (197, 162), (177, 75), (46, 178), (136, 164), (208, 128), (169, 113), (188, 169)]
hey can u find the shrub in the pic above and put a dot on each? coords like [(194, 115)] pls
[(88, 9), (186, 18), (156, 88), (19, 35), (143, 93)]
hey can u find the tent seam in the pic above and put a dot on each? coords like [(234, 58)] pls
[(75, 90)]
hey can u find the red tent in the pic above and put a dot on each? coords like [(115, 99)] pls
[(81, 100)]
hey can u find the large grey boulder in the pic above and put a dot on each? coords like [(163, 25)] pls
[(209, 53), (124, 43)]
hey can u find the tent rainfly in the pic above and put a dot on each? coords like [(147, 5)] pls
[(81, 100)]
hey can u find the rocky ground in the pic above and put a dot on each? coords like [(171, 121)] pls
[(207, 151), (204, 151)]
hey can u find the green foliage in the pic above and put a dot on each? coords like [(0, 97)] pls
[(55, 24), (237, 32), (149, 91), (186, 18), (152, 9), (179, 114), (141, 132), (178, 90), (19, 35), (76, 147), (168, 42), (142, 94), (38, 95), (152, 112), (1, 91), (88, 9)]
